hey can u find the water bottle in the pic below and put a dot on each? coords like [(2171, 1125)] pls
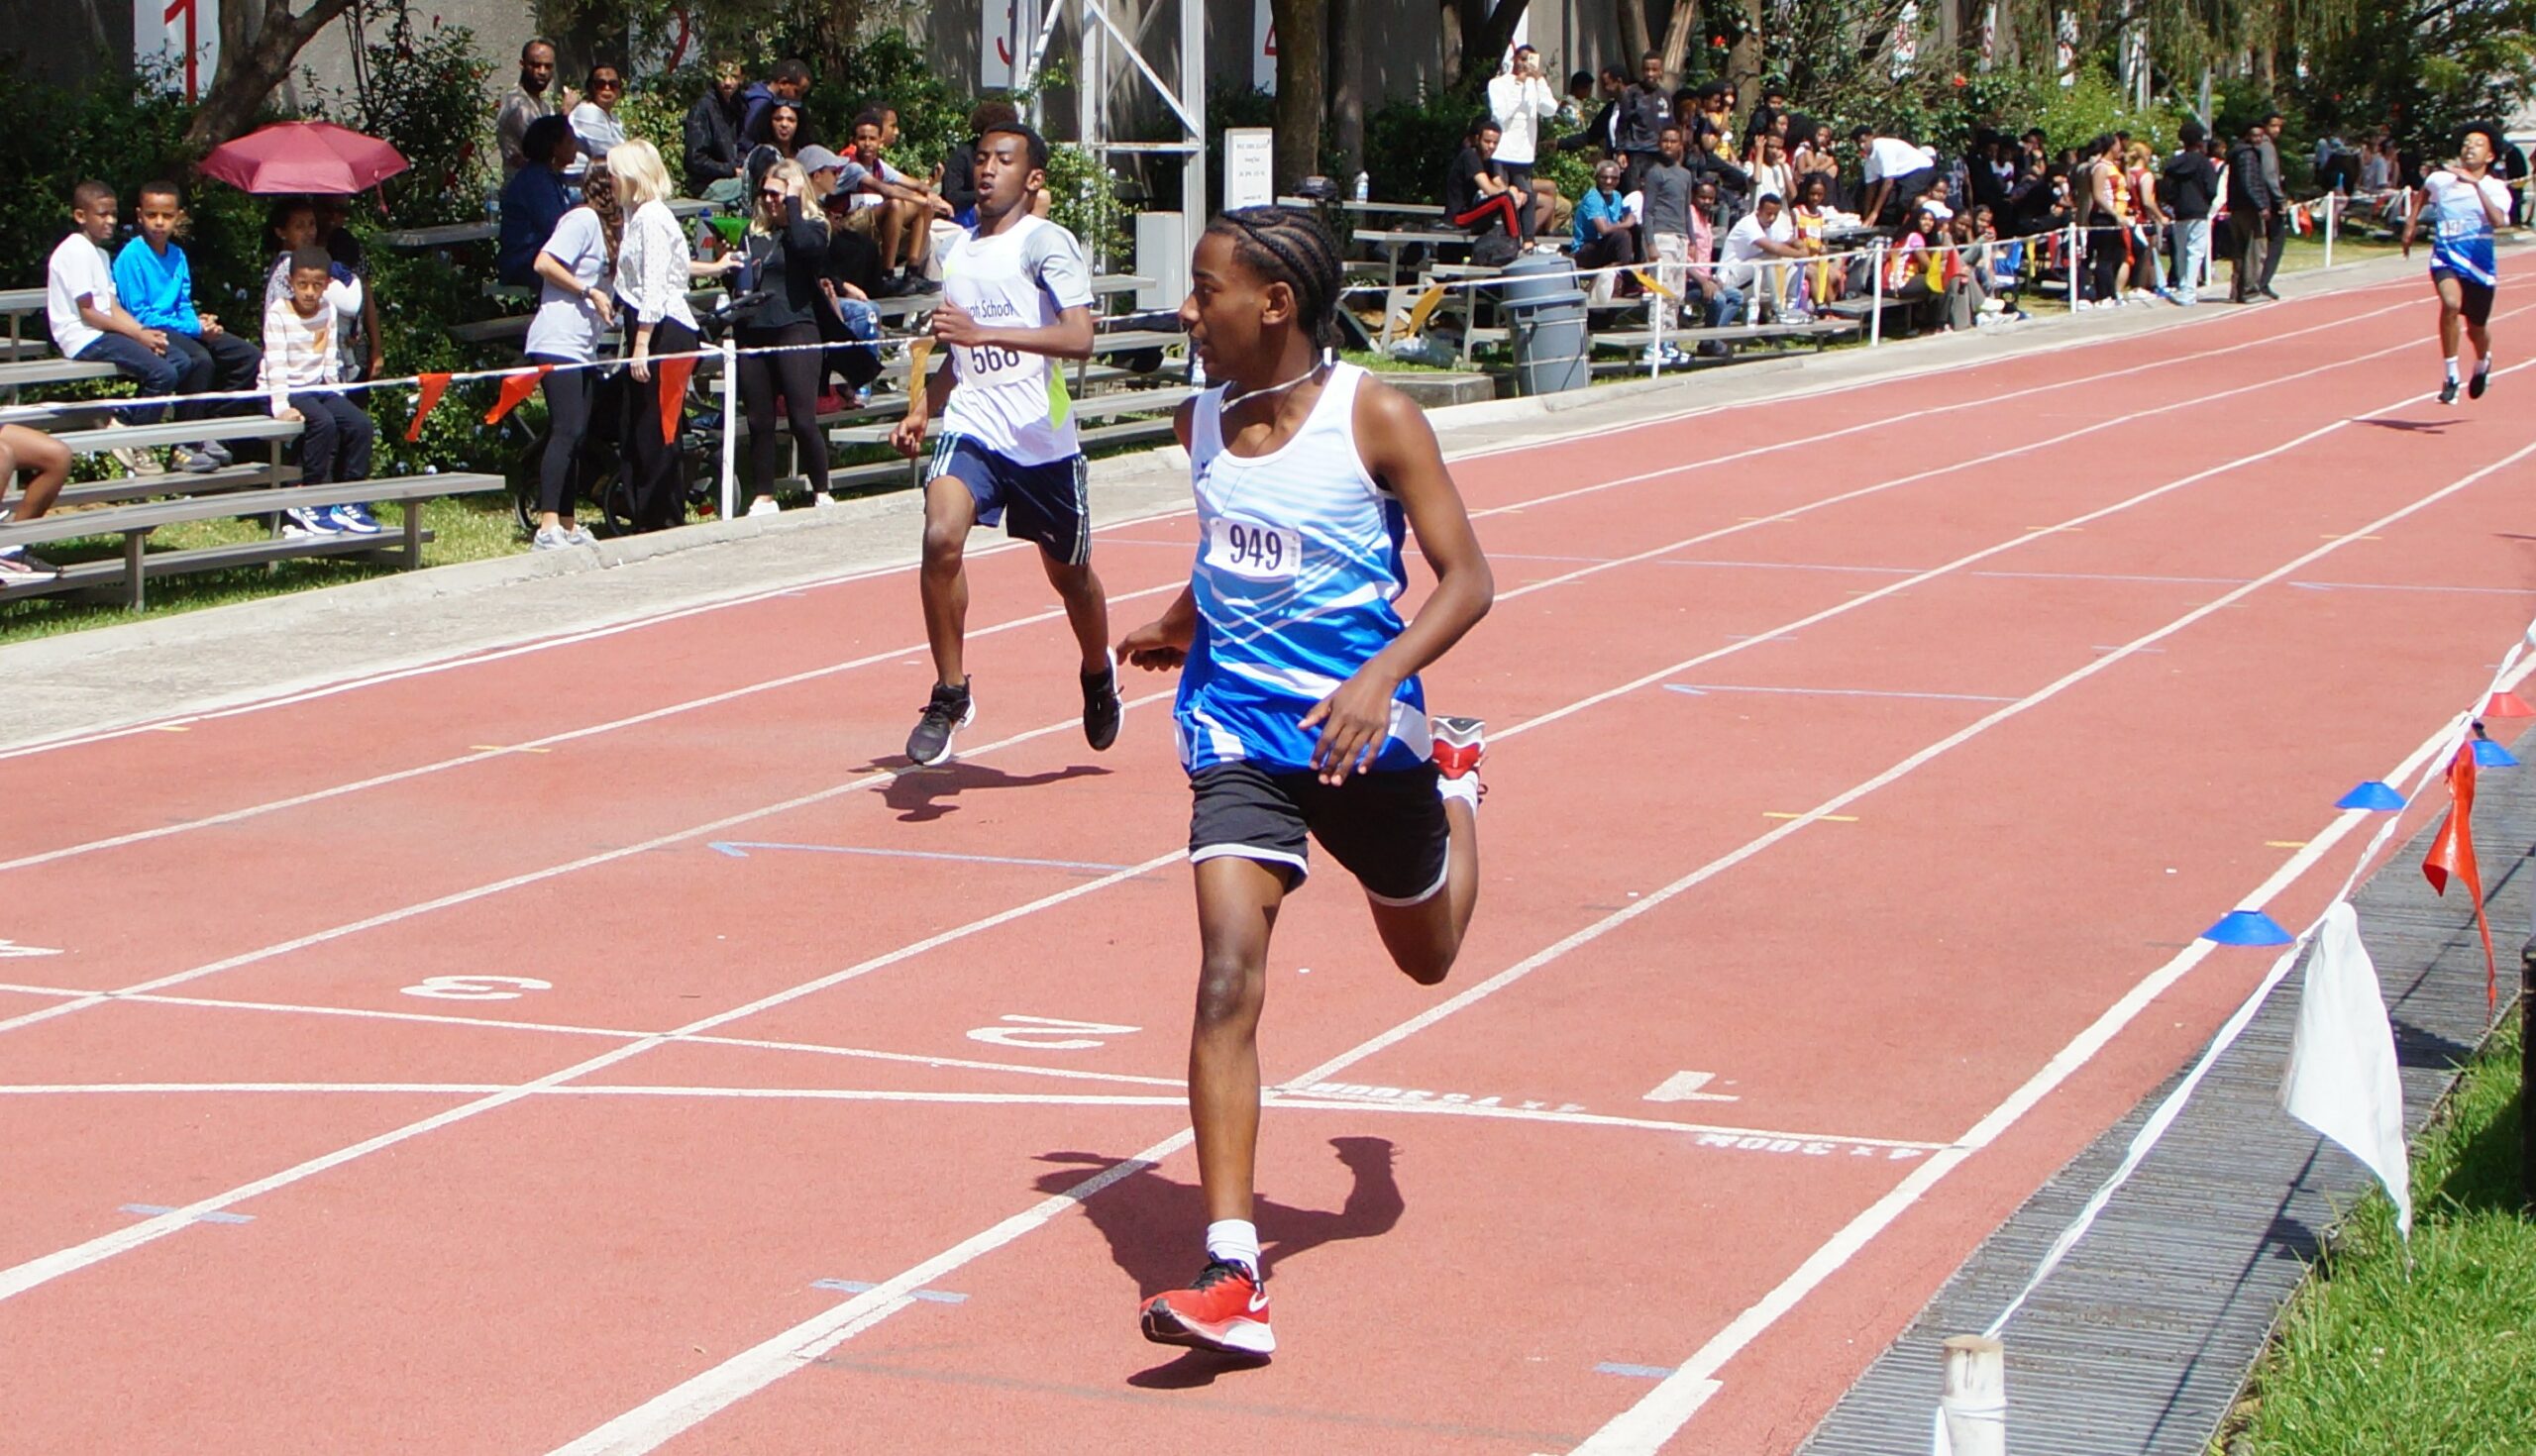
[(1364, 186)]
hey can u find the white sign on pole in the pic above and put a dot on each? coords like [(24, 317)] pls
[(1000, 44), (1263, 48), (1250, 163), (180, 36)]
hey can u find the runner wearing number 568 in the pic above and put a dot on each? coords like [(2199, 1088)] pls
[(1015, 298)]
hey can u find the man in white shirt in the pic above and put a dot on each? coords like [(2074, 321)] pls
[(1764, 232), (1897, 172), (1520, 99)]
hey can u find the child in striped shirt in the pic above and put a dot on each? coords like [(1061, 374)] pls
[(301, 371)]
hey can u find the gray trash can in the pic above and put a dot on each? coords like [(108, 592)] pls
[(1536, 276), (1551, 352)]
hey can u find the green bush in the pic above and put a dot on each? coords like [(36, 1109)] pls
[(425, 96), (1411, 141)]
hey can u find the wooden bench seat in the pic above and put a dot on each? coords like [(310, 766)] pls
[(135, 522)]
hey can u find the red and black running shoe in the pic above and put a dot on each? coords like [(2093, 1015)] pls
[(1226, 1310), (1460, 745)]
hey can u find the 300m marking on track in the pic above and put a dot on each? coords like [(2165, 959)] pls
[(476, 988)]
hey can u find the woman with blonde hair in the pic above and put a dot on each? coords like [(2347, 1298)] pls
[(786, 249), (653, 271)]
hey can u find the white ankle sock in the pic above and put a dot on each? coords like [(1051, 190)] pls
[(1465, 788), (2483, 366), (1235, 1241), (2451, 362)]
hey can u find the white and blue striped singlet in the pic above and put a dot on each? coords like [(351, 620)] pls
[(1298, 564), (2461, 233)]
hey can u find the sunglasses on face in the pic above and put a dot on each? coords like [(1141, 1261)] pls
[(607, 83), (769, 194)]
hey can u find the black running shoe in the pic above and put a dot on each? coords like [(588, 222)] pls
[(2447, 393), (1102, 709), (950, 710), (2474, 387)]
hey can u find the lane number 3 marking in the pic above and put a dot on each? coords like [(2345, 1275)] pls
[(476, 988), (1049, 1033)]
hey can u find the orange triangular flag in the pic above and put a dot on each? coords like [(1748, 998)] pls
[(673, 374), (2452, 851), (434, 385), (516, 387)]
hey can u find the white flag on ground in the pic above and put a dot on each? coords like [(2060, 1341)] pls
[(2342, 1079)]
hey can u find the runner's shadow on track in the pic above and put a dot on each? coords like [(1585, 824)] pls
[(1148, 1219), (2412, 427), (918, 797)]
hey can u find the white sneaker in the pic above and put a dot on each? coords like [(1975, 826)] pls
[(550, 538), (577, 535), (822, 501), (764, 505)]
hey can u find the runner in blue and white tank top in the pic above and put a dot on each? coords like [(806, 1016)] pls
[(1015, 298), (2464, 205), (1301, 716)]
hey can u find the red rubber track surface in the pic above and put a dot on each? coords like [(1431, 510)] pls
[(443, 1224)]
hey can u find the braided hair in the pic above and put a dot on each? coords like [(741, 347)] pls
[(1292, 245)]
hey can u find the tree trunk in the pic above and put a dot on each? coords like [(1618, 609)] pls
[(1300, 88), (1346, 85), (1637, 37), (1449, 15), (1678, 39), (1743, 62), (1487, 46), (251, 66)]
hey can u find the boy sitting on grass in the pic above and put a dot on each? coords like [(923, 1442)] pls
[(302, 373)]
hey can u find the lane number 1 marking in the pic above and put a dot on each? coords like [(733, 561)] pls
[(476, 988), (1049, 1033)]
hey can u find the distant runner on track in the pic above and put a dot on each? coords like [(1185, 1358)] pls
[(1299, 714), (1015, 297), (2466, 204)]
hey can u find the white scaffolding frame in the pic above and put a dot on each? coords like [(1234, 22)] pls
[(1101, 35)]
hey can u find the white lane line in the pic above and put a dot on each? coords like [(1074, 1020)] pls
[(674, 1412), (1178, 1098), (868, 1054), (532, 877), (35, 1272), (258, 810), (1654, 1419), (1802, 393)]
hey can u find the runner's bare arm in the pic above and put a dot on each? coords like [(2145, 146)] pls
[(1163, 642), (2412, 215), (907, 437), (1399, 450)]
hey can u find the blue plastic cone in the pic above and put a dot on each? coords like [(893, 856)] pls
[(2246, 927), (2491, 755), (2376, 794)]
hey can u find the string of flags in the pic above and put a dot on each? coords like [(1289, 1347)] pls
[(2342, 1077)]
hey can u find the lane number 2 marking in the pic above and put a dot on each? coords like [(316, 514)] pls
[(476, 988), (1049, 1033)]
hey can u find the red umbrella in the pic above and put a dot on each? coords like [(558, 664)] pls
[(303, 156)]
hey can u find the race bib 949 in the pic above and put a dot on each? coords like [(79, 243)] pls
[(1248, 549)]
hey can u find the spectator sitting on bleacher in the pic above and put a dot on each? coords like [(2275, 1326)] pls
[(846, 285), (44, 463), (364, 355), (1606, 225), (302, 375), (1478, 200), (534, 200), (1820, 283), (893, 210), (155, 283), (90, 326), (573, 314), (712, 135), (594, 121), (1760, 236), (294, 228), (1721, 300)]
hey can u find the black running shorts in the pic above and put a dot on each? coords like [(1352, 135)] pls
[(1045, 503), (1388, 828)]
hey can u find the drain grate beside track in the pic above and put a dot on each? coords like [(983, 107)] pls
[(2140, 1342)]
